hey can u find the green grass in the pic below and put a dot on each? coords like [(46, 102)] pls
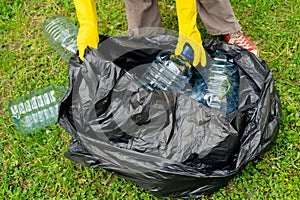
[(34, 166)]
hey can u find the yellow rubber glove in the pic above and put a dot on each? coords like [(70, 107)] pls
[(188, 31), (88, 31)]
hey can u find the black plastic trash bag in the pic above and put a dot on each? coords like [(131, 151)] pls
[(164, 141)]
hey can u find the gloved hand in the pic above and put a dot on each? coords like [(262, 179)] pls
[(188, 32), (88, 31)]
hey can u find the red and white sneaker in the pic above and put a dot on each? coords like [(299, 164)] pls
[(241, 40)]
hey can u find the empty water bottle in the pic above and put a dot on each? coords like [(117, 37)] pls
[(167, 72), (222, 93), (36, 110), (61, 34), (215, 85), (233, 76), (172, 72)]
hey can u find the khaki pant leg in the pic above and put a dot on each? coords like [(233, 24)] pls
[(143, 17), (218, 17)]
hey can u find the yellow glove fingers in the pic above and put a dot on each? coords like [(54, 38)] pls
[(179, 46), (202, 57), (196, 43), (88, 31), (199, 56)]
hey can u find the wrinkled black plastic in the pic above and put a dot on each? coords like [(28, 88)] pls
[(165, 142)]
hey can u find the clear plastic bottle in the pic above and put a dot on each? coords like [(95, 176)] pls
[(172, 72), (36, 110), (167, 72), (215, 85), (222, 87), (61, 34), (234, 80)]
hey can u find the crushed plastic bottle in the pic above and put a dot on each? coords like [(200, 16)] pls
[(61, 34), (36, 110)]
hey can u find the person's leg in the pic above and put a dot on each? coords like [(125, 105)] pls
[(218, 17), (143, 17)]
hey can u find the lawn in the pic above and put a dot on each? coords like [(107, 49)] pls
[(34, 167)]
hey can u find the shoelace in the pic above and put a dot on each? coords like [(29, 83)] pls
[(241, 40)]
